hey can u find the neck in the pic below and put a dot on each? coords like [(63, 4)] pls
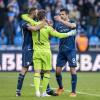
[(42, 20)]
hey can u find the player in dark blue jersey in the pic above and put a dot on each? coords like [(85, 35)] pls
[(67, 51), (27, 50)]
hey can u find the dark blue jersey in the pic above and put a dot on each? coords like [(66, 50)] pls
[(27, 36), (65, 43)]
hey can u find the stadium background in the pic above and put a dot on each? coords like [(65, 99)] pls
[(86, 13)]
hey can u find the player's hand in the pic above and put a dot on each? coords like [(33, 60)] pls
[(58, 18), (28, 25), (72, 33)]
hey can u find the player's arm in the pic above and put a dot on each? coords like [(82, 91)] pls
[(26, 25), (30, 27), (69, 24), (32, 24), (53, 32), (28, 19), (35, 28)]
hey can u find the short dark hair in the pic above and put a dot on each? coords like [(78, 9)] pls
[(31, 10), (66, 10), (41, 14)]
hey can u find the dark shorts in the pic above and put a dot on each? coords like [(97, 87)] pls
[(27, 58), (66, 56)]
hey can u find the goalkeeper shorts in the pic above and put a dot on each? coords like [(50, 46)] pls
[(42, 60)]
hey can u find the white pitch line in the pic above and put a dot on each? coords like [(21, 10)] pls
[(83, 93)]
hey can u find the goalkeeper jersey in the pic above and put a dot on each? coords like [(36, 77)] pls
[(41, 37)]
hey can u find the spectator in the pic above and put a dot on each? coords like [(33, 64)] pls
[(80, 28), (85, 12), (34, 3), (48, 13), (9, 28), (3, 39), (23, 5), (75, 14), (70, 5), (92, 21), (13, 7), (45, 3), (97, 8), (58, 6), (81, 8), (2, 14)]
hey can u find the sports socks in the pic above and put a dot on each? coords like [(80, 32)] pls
[(59, 80), (45, 81), (73, 82), (37, 81), (48, 87), (20, 82)]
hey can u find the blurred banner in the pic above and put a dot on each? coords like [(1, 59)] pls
[(12, 61)]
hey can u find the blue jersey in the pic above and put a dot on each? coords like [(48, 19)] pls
[(27, 36), (65, 43)]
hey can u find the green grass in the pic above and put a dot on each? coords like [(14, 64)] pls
[(88, 84)]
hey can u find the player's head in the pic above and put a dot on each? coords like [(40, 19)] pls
[(33, 12), (64, 13), (41, 14)]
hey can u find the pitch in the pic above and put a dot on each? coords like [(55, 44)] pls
[(88, 87)]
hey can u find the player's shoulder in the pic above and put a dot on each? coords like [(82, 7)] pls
[(57, 23), (23, 23), (49, 28), (28, 19), (23, 16)]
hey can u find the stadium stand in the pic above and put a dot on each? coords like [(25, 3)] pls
[(88, 21)]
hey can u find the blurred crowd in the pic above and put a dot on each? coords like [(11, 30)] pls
[(86, 14)]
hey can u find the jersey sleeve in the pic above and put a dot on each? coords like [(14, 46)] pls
[(53, 32), (26, 18)]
